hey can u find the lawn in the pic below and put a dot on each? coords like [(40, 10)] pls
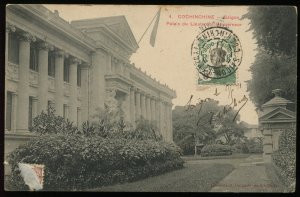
[(192, 178)]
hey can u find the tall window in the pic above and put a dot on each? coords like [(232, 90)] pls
[(66, 70), (78, 76), (30, 112), (34, 58), (65, 111), (8, 110), (13, 48), (51, 64), (78, 116)]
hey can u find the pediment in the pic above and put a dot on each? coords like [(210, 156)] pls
[(279, 114), (122, 29), (116, 26)]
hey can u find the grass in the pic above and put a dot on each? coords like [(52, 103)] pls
[(192, 178)]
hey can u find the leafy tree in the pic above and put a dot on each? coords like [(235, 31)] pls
[(275, 30), (272, 72), (203, 123)]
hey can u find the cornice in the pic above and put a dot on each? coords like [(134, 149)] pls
[(56, 22)]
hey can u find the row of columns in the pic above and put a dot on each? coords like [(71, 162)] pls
[(152, 109), (39, 104)]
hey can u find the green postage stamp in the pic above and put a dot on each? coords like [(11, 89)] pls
[(217, 54)]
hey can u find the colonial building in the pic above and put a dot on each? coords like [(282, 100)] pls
[(76, 67)]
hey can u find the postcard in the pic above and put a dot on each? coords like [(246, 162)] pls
[(150, 98)]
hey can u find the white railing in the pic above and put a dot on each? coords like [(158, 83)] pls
[(51, 84), (66, 89), (12, 71), (33, 78)]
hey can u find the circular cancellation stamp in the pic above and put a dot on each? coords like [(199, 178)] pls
[(217, 54)]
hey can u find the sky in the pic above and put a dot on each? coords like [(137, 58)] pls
[(170, 61)]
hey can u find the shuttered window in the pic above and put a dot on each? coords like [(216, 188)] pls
[(13, 48)]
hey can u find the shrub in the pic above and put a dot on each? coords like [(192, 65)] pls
[(285, 157), (216, 150), (80, 162), (48, 122), (104, 151), (109, 123), (240, 148)]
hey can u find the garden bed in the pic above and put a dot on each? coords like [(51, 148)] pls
[(77, 162)]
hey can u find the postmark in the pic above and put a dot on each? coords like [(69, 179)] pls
[(217, 54)]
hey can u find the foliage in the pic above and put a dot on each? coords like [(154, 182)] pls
[(216, 150), (240, 148), (109, 123), (103, 151), (48, 122), (272, 72), (275, 66), (146, 130), (204, 123), (287, 141), (106, 123), (285, 157), (275, 27), (231, 131), (78, 162)]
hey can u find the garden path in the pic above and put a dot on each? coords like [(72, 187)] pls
[(249, 176)]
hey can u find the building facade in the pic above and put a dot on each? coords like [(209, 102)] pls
[(276, 117), (76, 67)]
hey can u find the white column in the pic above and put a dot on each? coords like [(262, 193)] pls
[(157, 114), (43, 77), (120, 67), (132, 106), (148, 109), (152, 106), (59, 82), (97, 86), (34, 107), (171, 122), (113, 63), (109, 65), (23, 85), (162, 119), (14, 112), (138, 105), (6, 66), (73, 90), (143, 106), (84, 92), (126, 107), (167, 122)]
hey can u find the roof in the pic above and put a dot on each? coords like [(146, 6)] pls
[(277, 100), (278, 115)]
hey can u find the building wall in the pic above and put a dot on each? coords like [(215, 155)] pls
[(105, 74)]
